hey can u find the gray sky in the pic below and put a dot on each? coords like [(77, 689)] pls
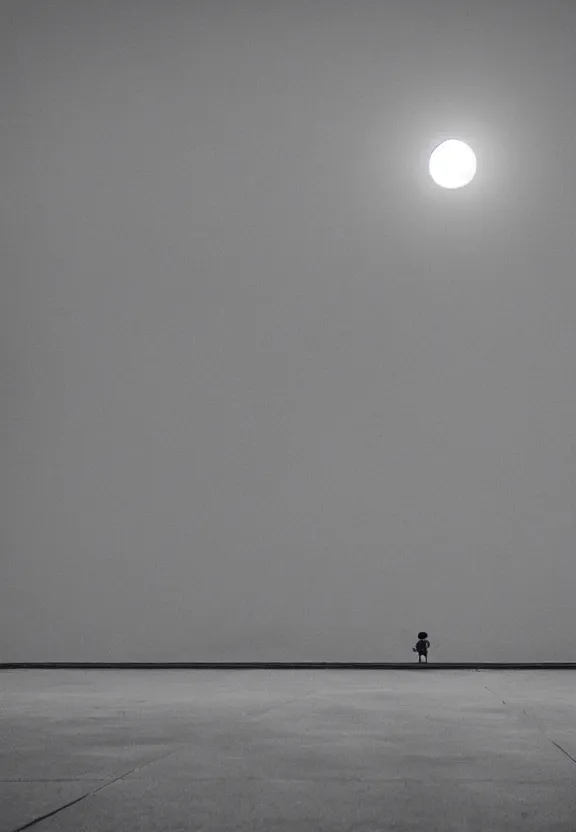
[(266, 391)]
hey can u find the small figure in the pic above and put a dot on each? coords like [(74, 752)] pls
[(422, 646)]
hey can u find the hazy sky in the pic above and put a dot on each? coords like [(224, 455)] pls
[(265, 390)]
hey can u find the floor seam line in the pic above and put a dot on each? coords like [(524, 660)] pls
[(88, 794)]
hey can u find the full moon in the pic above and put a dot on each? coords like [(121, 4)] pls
[(452, 164)]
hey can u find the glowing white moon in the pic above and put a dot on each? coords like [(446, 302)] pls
[(452, 164)]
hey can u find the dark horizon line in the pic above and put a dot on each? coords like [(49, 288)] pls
[(286, 665)]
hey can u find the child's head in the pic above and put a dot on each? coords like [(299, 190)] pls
[(422, 635)]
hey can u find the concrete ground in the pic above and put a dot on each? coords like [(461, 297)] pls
[(309, 750)]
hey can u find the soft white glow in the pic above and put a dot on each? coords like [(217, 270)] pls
[(452, 164)]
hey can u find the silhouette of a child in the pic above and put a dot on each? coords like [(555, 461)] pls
[(422, 646)]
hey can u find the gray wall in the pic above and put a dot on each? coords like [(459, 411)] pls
[(266, 392)]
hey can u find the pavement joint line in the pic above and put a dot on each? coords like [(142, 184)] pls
[(570, 757), (54, 780), (540, 728), (34, 821)]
